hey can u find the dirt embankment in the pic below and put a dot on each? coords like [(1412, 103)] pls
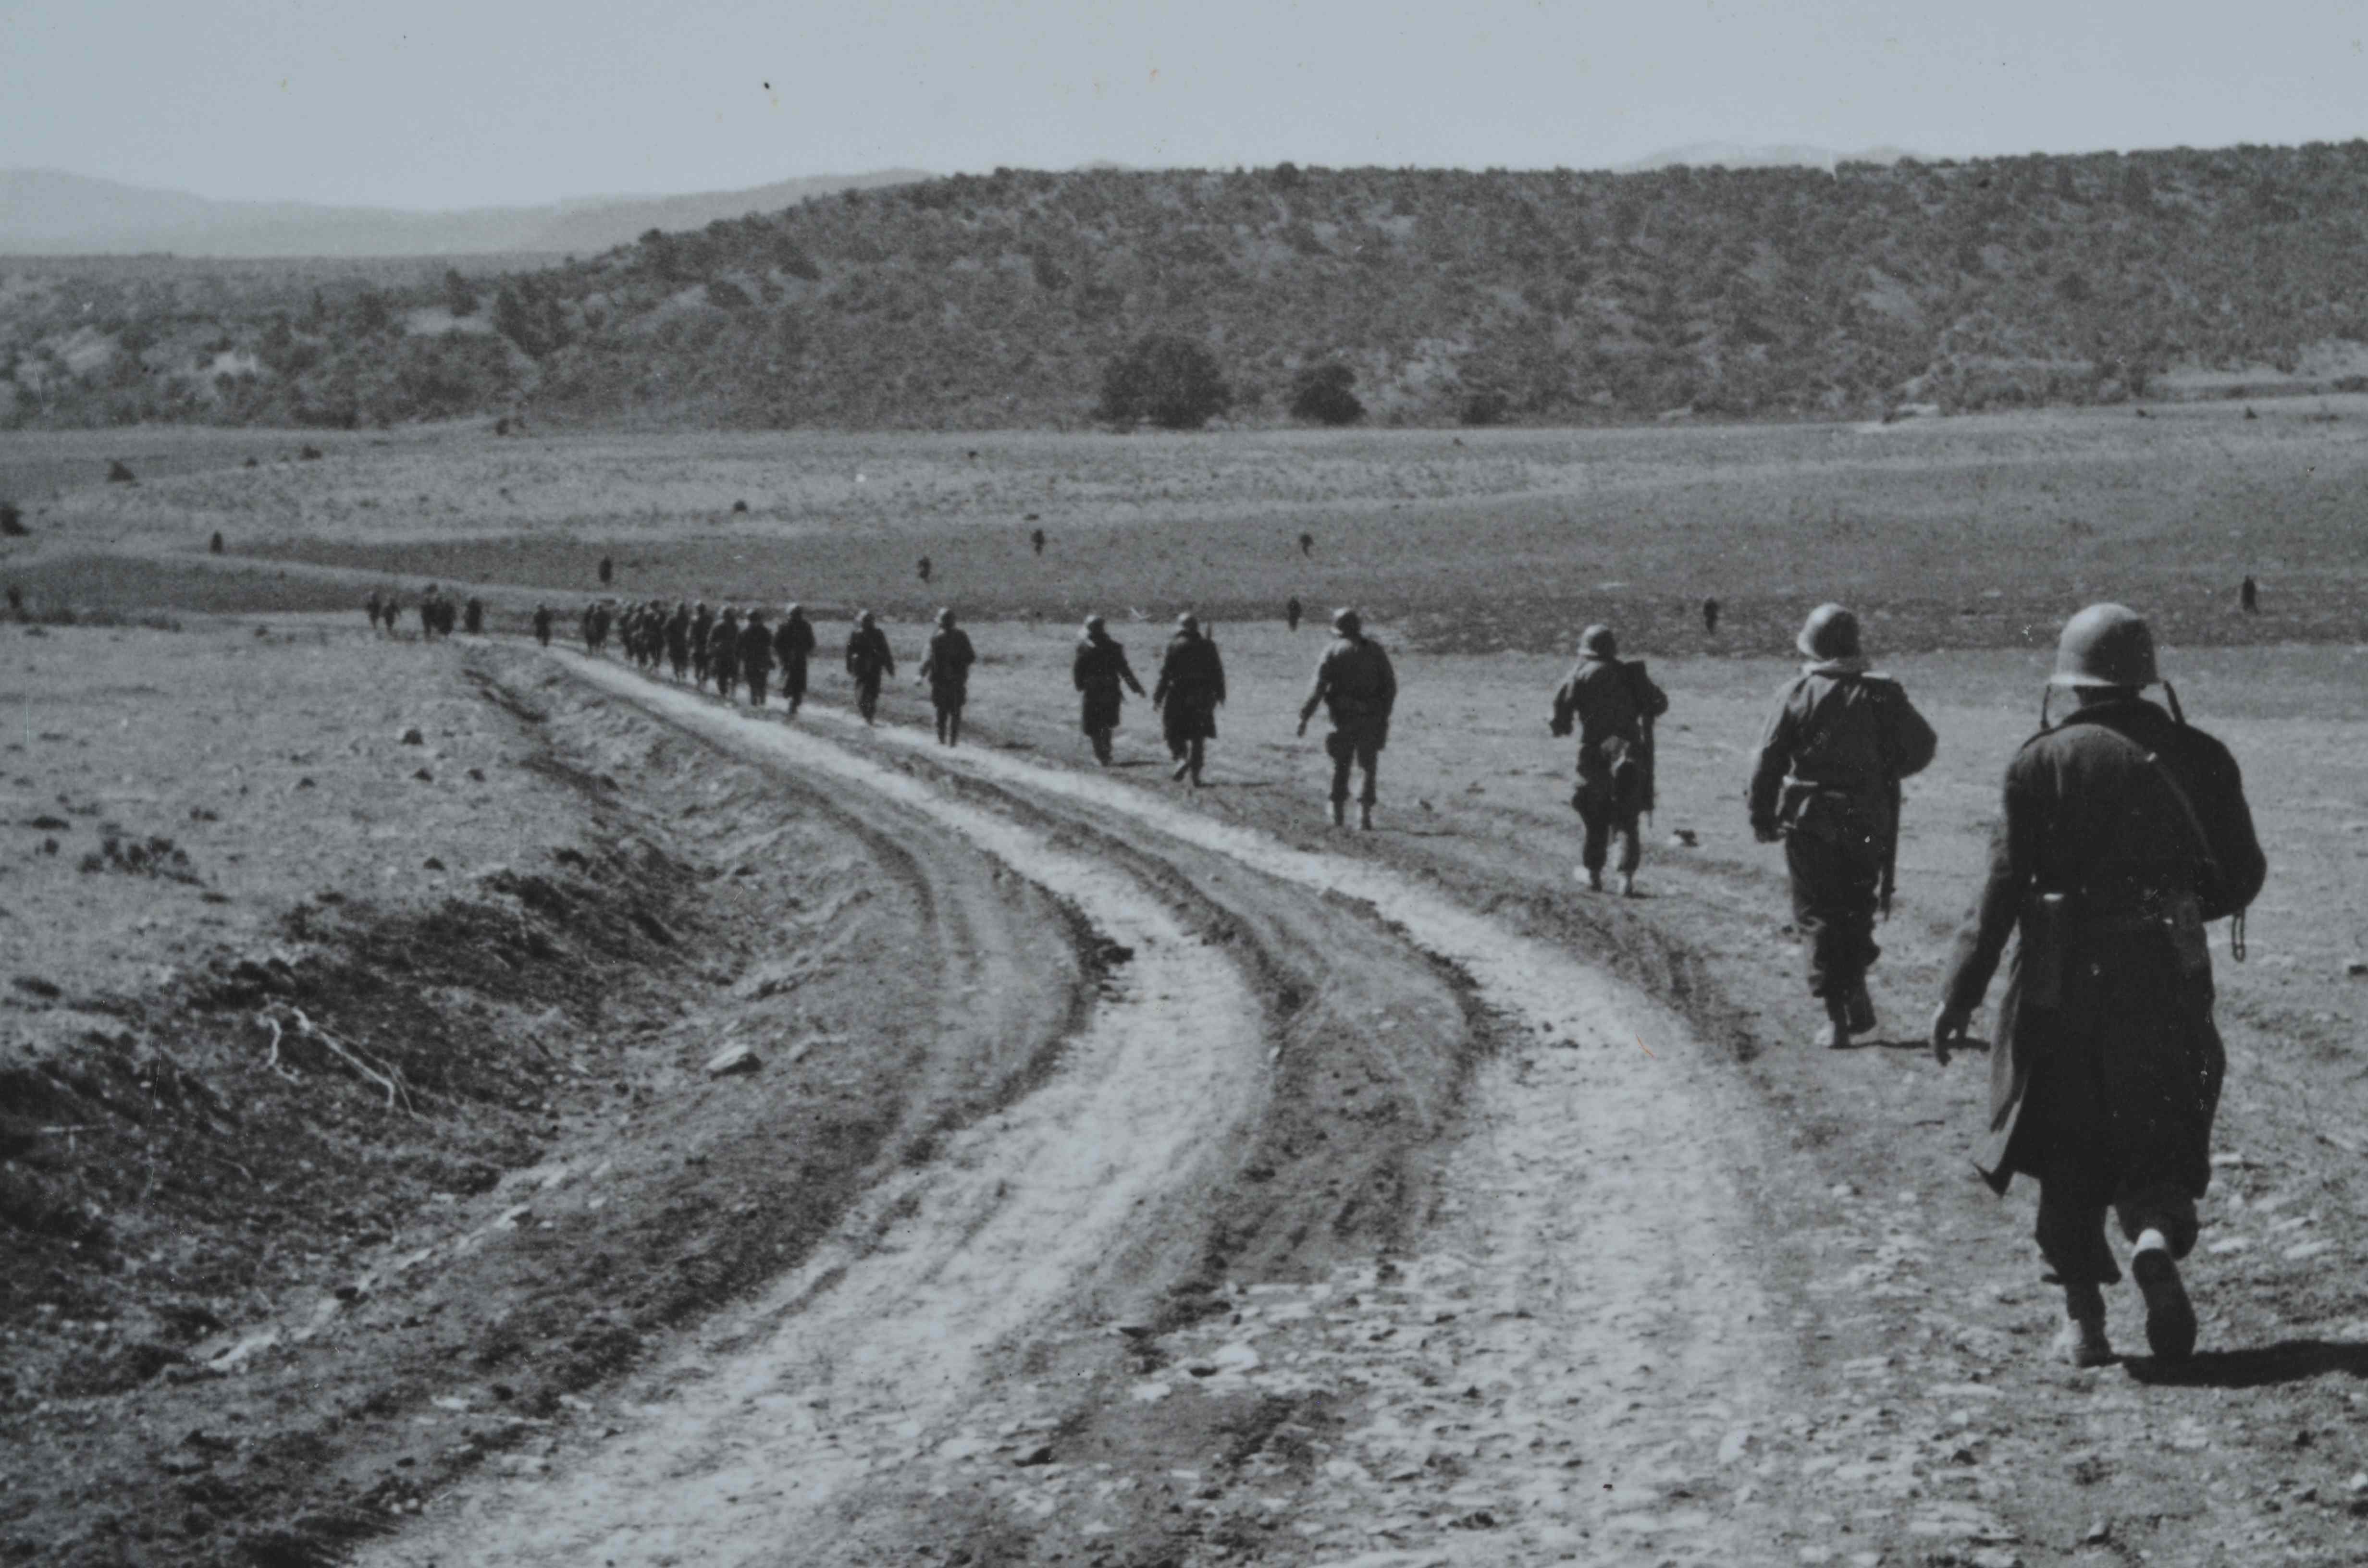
[(353, 1110)]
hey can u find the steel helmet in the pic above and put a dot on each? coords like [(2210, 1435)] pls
[(1830, 633), (1598, 640), (1188, 621), (1347, 622), (2105, 645), (945, 616)]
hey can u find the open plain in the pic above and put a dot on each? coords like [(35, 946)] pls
[(1120, 1174)]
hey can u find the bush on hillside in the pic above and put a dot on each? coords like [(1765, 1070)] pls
[(1171, 382), (1320, 394)]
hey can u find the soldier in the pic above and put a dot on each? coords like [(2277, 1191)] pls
[(1709, 617), (1192, 686), (677, 637), (793, 646), (1827, 782), (868, 659), (1292, 611), (923, 567), (702, 626), (370, 607), (543, 624), (1355, 683), (1100, 672), (427, 614), (1614, 703), (1036, 538), (2125, 830), (946, 669), (474, 618), (607, 570), (755, 655), (723, 650), (2249, 597)]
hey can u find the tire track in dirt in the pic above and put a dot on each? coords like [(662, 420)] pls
[(843, 1366), (1580, 1356)]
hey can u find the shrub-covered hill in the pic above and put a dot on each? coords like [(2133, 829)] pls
[(1547, 296)]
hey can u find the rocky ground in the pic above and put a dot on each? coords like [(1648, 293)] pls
[(1129, 1176)]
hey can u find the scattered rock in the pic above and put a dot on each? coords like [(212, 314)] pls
[(732, 1059), (413, 738), (2357, 968), (1041, 1454), (431, 864), (477, 774), (738, 508), (119, 472), (424, 776), (1684, 838)]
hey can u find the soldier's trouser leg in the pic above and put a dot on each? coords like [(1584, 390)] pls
[(756, 689), (1834, 886), (1196, 757), (1593, 804), (867, 699), (1343, 751)]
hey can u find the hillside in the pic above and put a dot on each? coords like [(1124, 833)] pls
[(1544, 297), (48, 212)]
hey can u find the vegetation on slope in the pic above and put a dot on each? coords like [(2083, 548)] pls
[(1543, 297)]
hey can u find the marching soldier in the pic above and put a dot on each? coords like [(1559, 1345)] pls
[(677, 637), (1292, 610), (372, 607), (868, 659), (1101, 675), (1356, 685), (2125, 830), (702, 627), (946, 668), (1190, 687), (723, 650), (1827, 783), (1612, 704), (793, 646), (755, 655), (427, 602), (474, 618), (543, 624)]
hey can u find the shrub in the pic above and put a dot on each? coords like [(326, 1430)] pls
[(1486, 406), (1171, 382), (1320, 393), (459, 294)]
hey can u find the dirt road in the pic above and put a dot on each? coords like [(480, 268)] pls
[(1581, 1323)]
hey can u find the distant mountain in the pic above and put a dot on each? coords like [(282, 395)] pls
[(1731, 155), (1538, 297), (50, 212)]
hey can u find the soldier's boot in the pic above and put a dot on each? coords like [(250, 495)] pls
[(1196, 757), (2170, 1317), (1627, 884), (1836, 1034), (1102, 747), (2081, 1341), (1339, 813), (1861, 1007), (1365, 815), (1184, 766), (1594, 875)]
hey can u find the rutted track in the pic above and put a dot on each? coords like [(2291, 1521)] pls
[(1590, 1231)]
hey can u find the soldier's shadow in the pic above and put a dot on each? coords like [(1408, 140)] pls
[(1917, 1042), (2287, 1361)]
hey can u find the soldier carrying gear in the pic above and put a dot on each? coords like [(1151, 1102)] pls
[(868, 659), (1292, 611), (723, 650), (755, 655), (1827, 782), (945, 668), (2125, 830), (372, 607), (677, 637), (1614, 703), (474, 618), (543, 624), (793, 646), (1356, 685), (1190, 687), (1100, 671), (702, 626)]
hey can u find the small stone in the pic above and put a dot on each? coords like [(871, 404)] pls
[(477, 774), (1041, 1454), (2357, 968), (424, 777), (732, 1059), (431, 864), (2098, 1534), (2358, 1485), (413, 738)]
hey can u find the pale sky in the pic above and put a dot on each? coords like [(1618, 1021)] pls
[(432, 104)]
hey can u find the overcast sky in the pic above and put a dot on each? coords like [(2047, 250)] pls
[(432, 104)]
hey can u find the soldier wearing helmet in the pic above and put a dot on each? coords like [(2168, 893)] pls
[(1612, 703), (793, 644), (1356, 685), (677, 637), (2126, 829), (723, 650), (868, 659), (1827, 783), (755, 655), (1102, 676), (1190, 688), (945, 669), (702, 623)]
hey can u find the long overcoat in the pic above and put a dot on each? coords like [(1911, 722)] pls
[(1190, 687), (1100, 672), (2115, 1085)]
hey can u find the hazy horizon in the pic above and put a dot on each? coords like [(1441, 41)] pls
[(440, 108)]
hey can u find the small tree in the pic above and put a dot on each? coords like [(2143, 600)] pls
[(1321, 394), (459, 294), (1172, 381)]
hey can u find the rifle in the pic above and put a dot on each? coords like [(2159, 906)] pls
[(1644, 758), (1890, 843)]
